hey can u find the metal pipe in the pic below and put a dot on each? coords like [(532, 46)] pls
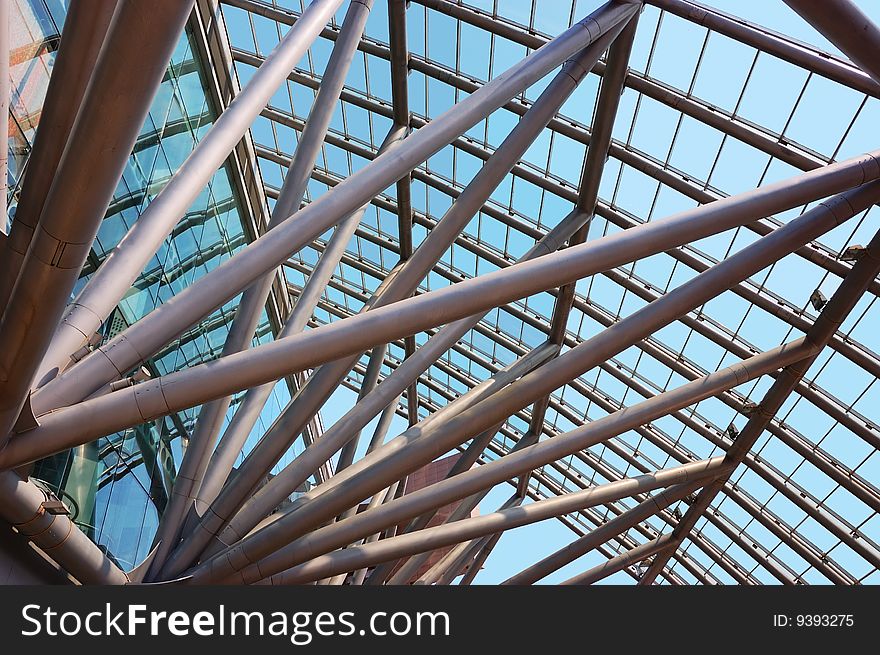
[(120, 269), (54, 533), (831, 317), (620, 562), (129, 69), (847, 27), (304, 515), (618, 525), (171, 318), (84, 30), (77, 424), (371, 378), (321, 564)]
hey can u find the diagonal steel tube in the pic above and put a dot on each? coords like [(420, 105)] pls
[(595, 538), (80, 423), (839, 306), (487, 545), (421, 444), (129, 70), (150, 333), (118, 272), (615, 564), (847, 27)]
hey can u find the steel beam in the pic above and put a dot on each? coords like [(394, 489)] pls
[(83, 33), (255, 399)]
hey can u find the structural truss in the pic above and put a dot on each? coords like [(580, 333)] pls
[(517, 263)]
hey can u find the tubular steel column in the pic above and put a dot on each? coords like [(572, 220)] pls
[(133, 59), (153, 331), (118, 272), (618, 525), (832, 315), (23, 506), (84, 30), (400, 108)]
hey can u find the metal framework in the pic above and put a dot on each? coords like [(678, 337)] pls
[(623, 300)]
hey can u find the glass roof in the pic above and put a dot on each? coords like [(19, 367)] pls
[(702, 116), (663, 159)]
